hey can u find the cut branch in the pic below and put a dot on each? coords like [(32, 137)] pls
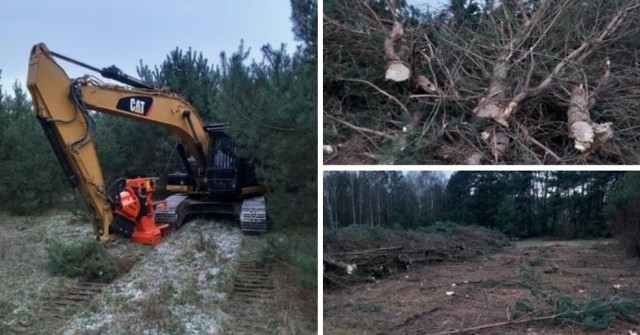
[(535, 142), (404, 108), (525, 57), (348, 268), (397, 70), (359, 129), (584, 131), (500, 324)]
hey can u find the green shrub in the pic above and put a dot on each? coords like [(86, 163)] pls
[(593, 314), (599, 314), (447, 228), (564, 304), (368, 307), (85, 258), (360, 237), (358, 231), (523, 306)]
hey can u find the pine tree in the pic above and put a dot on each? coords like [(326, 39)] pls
[(271, 107), (31, 176), (305, 16), (623, 209)]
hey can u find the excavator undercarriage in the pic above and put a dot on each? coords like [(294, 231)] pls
[(251, 212)]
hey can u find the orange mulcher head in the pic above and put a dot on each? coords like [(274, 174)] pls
[(136, 208)]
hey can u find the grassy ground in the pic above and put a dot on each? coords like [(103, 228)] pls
[(293, 255), (179, 287), (23, 266)]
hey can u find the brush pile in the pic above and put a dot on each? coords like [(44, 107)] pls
[(482, 82), (363, 253)]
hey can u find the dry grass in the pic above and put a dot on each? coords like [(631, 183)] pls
[(156, 314), (296, 306), (24, 278), (178, 287)]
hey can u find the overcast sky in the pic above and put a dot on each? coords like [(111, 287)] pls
[(121, 32), (431, 4)]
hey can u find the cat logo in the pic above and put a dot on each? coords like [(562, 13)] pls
[(137, 105)]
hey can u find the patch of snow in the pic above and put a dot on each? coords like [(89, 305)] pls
[(187, 281), (134, 293)]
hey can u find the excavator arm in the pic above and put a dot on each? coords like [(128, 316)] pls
[(63, 109), (164, 109)]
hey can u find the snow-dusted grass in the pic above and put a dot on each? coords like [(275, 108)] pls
[(178, 288), (23, 274)]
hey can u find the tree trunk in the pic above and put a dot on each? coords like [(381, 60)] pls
[(360, 201), (371, 219), (379, 213)]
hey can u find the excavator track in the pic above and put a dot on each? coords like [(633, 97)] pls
[(57, 306), (252, 212), (253, 293), (253, 215), (68, 300), (174, 212)]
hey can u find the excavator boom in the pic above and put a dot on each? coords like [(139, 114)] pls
[(67, 129)]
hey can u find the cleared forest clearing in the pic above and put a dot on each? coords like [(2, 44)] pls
[(526, 278)]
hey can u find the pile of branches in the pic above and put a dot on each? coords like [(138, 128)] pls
[(500, 82), (362, 265), (360, 254)]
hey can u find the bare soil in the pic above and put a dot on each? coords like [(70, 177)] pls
[(485, 290)]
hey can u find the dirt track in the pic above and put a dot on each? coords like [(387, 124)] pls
[(485, 290)]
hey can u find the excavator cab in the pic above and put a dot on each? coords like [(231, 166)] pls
[(226, 174), (223, 168)]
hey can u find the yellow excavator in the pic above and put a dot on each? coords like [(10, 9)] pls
[(214, 179)]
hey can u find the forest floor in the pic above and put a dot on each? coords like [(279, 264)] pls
[(483, 290), (206, 278)]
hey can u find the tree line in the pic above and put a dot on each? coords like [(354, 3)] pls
[(569, 204), (270, 105)]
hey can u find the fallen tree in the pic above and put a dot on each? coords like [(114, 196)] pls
[(516, 81)]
